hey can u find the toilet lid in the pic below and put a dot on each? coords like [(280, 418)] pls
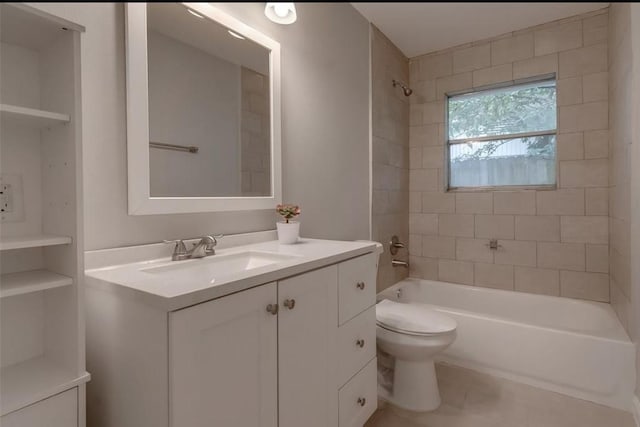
[(412, 318)]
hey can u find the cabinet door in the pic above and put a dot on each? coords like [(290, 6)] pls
[(223, 362), (307, 335), (60, 410)]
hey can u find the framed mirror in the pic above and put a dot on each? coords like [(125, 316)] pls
[(203, 111)]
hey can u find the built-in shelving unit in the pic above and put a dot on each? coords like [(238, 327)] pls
[(23, 242), (41, 251), (33, 380), (25, 282), (31, 117)]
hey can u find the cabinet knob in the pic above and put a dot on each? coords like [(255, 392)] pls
[(362, 401), (360, 285), (272, 308), (289, 303), (360, 343)]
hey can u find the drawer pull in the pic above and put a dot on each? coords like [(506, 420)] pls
[(362, 401), (290, 303), (360, 343), (272, 308), (360, 285)]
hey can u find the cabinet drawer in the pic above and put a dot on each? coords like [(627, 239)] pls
[(356, 344), (60, 410), (356, 286), (359, 397)]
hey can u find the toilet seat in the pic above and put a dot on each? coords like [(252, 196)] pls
[(412, 319)]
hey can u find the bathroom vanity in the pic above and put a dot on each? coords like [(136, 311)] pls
[(259, 334)]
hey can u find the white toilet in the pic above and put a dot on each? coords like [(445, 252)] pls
[(413, 334)]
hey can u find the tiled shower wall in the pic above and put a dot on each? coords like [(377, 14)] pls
[(552, 242), (390, 151), (621, 121)]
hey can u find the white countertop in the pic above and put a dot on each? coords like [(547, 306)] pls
[(161, 292)]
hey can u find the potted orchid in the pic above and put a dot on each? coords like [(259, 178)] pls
[(288, 231)]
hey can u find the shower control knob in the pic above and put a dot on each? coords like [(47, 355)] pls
[(360, 343), (360, 285), (272, 308), (362, 401), (289, 303)]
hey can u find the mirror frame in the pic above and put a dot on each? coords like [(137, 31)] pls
[(140, 200)]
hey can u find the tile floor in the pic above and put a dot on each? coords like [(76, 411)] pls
[(471, 399)]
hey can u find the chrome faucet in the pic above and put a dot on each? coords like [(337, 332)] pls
[(205, 247)]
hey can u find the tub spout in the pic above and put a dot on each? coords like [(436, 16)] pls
[(398, 263)]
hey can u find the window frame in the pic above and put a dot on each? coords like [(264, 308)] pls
[(448, 142)]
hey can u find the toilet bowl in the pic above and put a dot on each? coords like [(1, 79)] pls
[(413, 334)]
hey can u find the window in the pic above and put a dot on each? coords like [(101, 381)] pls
[(503, 137)]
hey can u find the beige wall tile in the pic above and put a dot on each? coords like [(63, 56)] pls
[(471, 58), (515, 252), (560, 202), (473, 250), (434, 66), (458, 225), (422, 223), (433, 112), (535, 66), (595, 87), (597, 258), (423, 180), (438, 202), (497, 74), (424, 135), (514, 202), (423, 91), (586, 60), (596, 144), (558, 256), (494, 227), (474, 203), (415, 244), (584, 229), (415, 201), (433, 157), (511, 49), (581, 117), (558, 38), (590, 286), (415, 158), (570, 146), (494, 276), (569, 91), (537, 281), (455, 271), (595, 29), (597, 201), (423, 268), (439, 247), (584, 173), (454, 83), (538, 228)]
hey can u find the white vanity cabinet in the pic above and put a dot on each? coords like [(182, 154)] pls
[(272, 355)]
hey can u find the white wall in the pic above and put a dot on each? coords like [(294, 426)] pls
[(194, 99), (325, 127)]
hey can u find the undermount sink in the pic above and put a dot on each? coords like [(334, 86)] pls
[(218, 266)]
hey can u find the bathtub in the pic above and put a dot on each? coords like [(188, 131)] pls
[(578, 348)]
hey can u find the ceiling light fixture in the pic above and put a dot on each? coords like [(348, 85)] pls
[(281, 13), (236, 35), (196, 14)]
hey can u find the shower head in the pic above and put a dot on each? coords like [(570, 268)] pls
[(405, 89)]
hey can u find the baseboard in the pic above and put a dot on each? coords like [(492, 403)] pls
[(635, 409)]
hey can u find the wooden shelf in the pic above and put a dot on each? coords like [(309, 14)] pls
[(24, 242), (31, 117), (28, 382), (25, 282)]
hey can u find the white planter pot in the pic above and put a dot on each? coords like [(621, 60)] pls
[(288, 233)]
